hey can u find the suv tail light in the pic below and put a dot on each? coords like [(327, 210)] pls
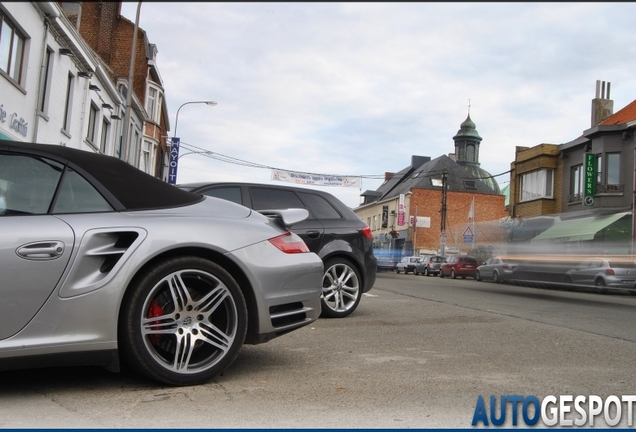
[(289, 243), (367, 232)]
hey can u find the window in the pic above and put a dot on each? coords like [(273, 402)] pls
[(153, 104), (146, 157), (613, 168), (78, 196), (470, 152), (321, 209), (92, 124), (46, 83), (103, 144), (576, 183), (599, 168), (537, 184), (227, 193), (11, 49), (272, 199), (69, 103), (122, 89), (31, 183), (470, 184)]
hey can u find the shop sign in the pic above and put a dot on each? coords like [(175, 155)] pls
[(590, 179), (16, 123)]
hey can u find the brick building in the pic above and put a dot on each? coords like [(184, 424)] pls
[(438, 194), (110, 35)]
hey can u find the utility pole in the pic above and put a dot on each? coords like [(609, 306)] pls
[(443, 221), (415, 233)]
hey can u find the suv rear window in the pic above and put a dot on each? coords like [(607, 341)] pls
[(274, 199), (227, 193), (320, 207)]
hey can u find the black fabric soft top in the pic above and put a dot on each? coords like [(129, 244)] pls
[(132, 188)]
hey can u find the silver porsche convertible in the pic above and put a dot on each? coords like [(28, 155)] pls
[(101, 263)]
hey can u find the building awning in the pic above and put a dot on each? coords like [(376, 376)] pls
[(577, 229)]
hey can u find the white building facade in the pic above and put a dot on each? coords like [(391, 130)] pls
[(54, 89)]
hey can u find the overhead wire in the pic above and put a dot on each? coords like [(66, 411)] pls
[(236, 161)]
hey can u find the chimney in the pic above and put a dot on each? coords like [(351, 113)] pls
[(417, 161), (602, 105), (388, 175)]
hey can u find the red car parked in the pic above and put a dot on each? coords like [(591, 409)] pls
[(459, 265)]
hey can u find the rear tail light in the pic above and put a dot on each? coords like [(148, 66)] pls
[(289, 243), (367, 232), (609, 272), (505, 266)]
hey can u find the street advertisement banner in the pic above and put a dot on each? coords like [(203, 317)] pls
[(314, 179), (401, 211)]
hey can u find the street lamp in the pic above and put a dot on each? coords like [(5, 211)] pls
[(174, 147)]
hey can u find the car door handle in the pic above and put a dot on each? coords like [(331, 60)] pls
[(313, 234), (41, 250)]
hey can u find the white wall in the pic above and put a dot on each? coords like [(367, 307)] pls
[(22, 101)]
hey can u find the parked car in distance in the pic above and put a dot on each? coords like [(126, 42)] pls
[(497, 269), (332, 231), (429, 265), (408, 264), (459, 265), (387, 259), (603, 273), (103, 263)]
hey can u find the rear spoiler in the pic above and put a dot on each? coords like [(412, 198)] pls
[(287, 217)]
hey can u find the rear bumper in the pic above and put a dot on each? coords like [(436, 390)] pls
[(370, 273)]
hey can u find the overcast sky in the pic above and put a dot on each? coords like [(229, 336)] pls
[(357, 89)]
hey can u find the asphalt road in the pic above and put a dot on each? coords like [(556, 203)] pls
[(416, 354)]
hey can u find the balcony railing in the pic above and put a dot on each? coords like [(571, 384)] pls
[(601, 189), (609, 188)]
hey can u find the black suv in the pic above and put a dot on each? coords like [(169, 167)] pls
[(332, 231)]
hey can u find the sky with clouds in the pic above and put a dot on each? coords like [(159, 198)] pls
[(358, 88)]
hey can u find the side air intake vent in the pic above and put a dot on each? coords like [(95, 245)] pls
[(101, 253)]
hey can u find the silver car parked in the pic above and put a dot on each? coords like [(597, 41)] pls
[(101, 261), (497, 269), (604, 273)]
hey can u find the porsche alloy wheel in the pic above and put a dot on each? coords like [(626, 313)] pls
[(183, 322), (341, 290)]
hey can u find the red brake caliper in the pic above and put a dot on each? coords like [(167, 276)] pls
[(154, 311)]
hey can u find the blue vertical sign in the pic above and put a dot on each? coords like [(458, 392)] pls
[(174, 161), (590, 179)]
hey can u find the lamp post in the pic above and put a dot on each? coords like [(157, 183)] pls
[(174, 147)]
